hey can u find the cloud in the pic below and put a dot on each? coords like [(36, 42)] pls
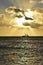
[(39, 10), (4, 21), (33, 24), (32, 3), (38, 16), (13, 11), (36, 25), (41, 1), (23, 3), (20, 13), (10, 11)]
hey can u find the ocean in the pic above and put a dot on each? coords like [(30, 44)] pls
[(21, 50)]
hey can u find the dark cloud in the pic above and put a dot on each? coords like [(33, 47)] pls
[(33, 24), (27, 18), (14, 11), (18, 10), (36, 25), (19, 16), (26, 24)]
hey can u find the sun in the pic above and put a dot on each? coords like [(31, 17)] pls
[(20, 21)]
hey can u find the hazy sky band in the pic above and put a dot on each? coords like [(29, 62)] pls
[(21, 3)]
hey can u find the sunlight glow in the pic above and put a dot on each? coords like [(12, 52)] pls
[(19, 21), (29, 13), (22, 20)]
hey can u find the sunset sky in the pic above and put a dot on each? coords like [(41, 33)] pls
[(13, 21)]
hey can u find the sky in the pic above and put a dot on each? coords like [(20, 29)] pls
[(8, 20), (21, 3)]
